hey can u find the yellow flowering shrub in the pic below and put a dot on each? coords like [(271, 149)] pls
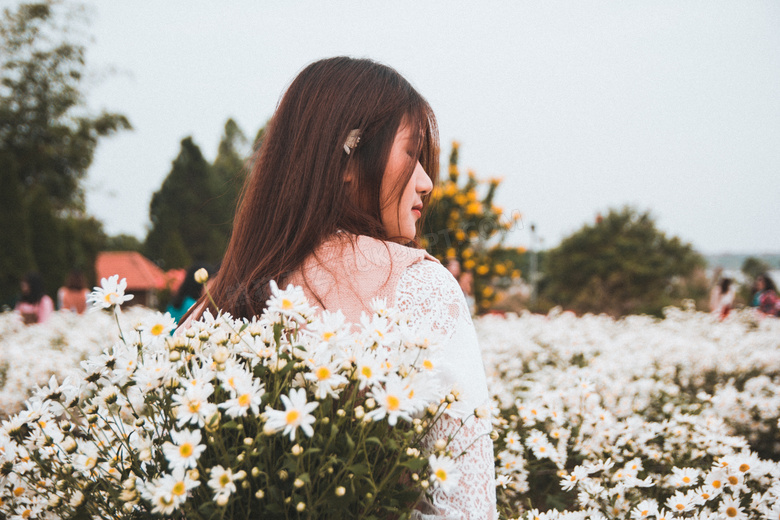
[(464, 224)]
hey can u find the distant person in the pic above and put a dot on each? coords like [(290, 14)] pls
[(188, 293), (765, 296), (722, 298), (34, 305), (73, 296)]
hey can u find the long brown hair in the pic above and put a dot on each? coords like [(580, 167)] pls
[(295, 195)]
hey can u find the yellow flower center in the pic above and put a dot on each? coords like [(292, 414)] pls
[(705, 496), (716, 484), (193, 406), (687, 480), (287, 304), (441, 474), (18, 491), (327, 335), (731, 512), (178, 489), (244, 400), (733, 480), (110, 297), (393, 403), (680, 507), (644, 512), (185, 450), (292, 416), (428, 364), (157, 330), (744, 467), (26, 513), (323, 373), (224, 480), (366, 372)]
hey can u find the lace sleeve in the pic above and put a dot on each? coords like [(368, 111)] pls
[(431, 298)]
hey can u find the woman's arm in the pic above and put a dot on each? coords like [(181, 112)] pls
[(432, 299)]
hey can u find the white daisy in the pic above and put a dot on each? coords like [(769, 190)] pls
[(296, 414), (110, 293), (185, 449), (444, 473)]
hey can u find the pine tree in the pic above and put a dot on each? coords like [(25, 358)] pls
[(184, 213)]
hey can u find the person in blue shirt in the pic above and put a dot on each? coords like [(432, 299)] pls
[(188, 293)]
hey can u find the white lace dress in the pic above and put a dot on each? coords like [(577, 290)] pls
[(431, 298)]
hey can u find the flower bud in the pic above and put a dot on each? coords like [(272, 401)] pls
[(370, 403), (222, 500), (300, 507), (259, 493), (245, 484), (174, 356), (282, 474), (140, 422), (221, 355), (201, 275), (193, 474), (494, 435), (297, 450), (76, 499), (298, 483), (255, 472), (415, 477), (440, 444), (340, 491), (424, 484), (240, 475), (240, 457), (69, 445), (248, 441), (340, 412), (359, 412)]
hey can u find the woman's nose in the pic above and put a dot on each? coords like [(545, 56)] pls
[(424, 184)]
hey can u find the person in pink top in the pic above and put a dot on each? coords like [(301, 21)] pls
[(73, 295), (333, 204), (34, 305)]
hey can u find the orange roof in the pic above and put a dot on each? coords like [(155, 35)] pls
[(141, 273)]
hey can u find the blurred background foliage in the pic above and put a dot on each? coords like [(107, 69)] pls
[(620, 264)]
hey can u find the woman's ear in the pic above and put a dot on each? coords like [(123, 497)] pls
[(349, 173)]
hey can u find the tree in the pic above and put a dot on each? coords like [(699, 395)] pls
[(16, 257), (230, 173), (752, 267), (622, 264), (184, 215), (48, 138), (46, 239), (43, 122), (463, 226)]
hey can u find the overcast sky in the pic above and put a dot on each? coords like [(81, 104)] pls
[(672, 106)]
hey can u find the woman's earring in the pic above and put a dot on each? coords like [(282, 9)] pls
[(352, 140)]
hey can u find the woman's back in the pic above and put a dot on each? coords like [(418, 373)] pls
[(346, 273)]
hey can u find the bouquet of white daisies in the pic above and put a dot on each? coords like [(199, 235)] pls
[(283, 416)]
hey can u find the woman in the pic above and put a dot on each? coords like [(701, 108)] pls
[(73, 296), (722, 298), (34, 305), (765, 297), (333, 204)]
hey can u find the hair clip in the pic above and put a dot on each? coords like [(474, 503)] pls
[(352, 140)]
